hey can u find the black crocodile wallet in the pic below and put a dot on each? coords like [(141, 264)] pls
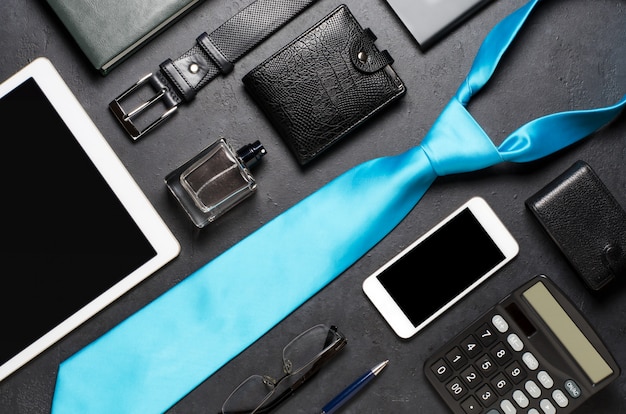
[(586, 222), (322, 85)]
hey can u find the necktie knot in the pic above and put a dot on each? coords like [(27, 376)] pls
[(457, 144)]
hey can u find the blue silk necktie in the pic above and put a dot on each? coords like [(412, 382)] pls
[(158, 355)]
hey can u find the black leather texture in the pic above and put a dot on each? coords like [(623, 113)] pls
[(321, 86), (215, 53), (586, 222)]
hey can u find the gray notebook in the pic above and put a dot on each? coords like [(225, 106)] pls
[(429, 20)]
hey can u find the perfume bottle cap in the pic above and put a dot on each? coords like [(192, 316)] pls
[(250, 154)]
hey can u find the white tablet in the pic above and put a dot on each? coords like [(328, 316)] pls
[(77, 230)]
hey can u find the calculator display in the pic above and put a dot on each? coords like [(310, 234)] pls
[(568, 333), (533, 352)]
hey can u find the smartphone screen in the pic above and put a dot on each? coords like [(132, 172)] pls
[(441, 267), (448, 262)]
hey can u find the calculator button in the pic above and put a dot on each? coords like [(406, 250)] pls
[(456, 358), (530, 361), (492, 411), (456, 388), (441, 370), (516, 372), (501, 354), (500, 324), (572, 388), (515, 342), (486, 335), (501, 384), (508, 407), (547, 407), (545, 379), (559, 397), (486, 395), (471, 377), (521, 399), (532, 388), (533, 411), (486, 366), (471, 405), (471, 347)]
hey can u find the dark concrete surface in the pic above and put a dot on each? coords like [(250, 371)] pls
[(570, 55)]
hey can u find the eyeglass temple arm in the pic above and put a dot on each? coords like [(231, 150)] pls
[(307, 375)]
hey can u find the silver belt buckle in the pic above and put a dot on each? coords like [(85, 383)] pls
[(126, 118)]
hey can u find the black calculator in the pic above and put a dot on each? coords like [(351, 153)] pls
[(532, 353)]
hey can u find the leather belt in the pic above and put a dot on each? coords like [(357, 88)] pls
[(178, 81)]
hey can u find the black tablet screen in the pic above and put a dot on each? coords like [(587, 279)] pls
[(67, 237)]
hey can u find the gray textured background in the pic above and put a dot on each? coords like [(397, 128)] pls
[(570, 55)]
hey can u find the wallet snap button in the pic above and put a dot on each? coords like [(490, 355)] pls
[(362, 56)]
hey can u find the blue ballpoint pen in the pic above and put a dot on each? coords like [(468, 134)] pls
[(353, 388)]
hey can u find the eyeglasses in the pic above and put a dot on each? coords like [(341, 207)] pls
[(302, 358)]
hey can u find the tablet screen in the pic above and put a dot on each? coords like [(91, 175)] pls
[(68, 238)]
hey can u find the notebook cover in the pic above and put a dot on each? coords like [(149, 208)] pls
[(429, 20), (109, 31)]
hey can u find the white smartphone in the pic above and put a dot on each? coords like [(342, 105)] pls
[(441, 267)]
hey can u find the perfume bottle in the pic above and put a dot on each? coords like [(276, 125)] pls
[(215, 180)]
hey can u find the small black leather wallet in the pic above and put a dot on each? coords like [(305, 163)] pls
[(324, 84), (586, 222)]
